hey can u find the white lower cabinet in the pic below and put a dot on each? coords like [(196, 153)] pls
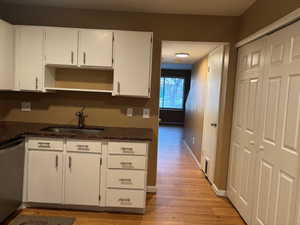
[(82, 179), (44, 176), (85, 173), (126, 176)]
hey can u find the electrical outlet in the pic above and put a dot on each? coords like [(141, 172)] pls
[(25, 106), (146, 113), (129, 112)]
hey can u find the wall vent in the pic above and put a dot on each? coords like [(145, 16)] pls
[(206, 167)]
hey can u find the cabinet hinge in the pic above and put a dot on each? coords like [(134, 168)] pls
[(100, 161), (151, 39), (208, 69), (99, 197), (112, 61), (113, 37)]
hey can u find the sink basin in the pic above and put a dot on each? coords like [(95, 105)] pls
[(74, 130)]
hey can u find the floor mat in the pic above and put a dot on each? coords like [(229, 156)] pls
[(42, 220)]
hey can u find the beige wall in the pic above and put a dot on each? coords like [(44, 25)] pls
[(263, 13), (102, 108), (195, 106)]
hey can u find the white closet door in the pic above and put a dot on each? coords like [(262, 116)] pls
[(278, 153), (245, 128)]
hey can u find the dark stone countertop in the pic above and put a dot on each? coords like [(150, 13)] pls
[(13, 130)]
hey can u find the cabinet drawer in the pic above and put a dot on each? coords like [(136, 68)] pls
[(46, 144), (126, 162), (83, 146), (127, 148), (125, 198), (126, 179)]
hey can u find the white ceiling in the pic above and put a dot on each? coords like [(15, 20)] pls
[(197, 50), (192, 7)]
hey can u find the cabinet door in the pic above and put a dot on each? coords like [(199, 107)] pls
[(6, 56), (61, 46), (29, 71), (44, 177), (95, 48), (82, 180), (132, 63)]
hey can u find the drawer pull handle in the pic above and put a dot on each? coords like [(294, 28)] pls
[(126, 164), (125, 201), (127, 150), (125, 181), (44, 144), (83, 147)]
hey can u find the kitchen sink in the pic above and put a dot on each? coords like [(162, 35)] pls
[(74, 130)]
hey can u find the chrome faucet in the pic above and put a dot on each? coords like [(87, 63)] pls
[(81, 118)]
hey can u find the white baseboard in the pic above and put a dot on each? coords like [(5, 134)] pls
[(151, 189), (221, 193), (192, 154)]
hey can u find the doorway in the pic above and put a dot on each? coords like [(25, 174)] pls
[(190, 87)]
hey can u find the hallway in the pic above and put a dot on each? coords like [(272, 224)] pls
[(183, 188), (184, 196)]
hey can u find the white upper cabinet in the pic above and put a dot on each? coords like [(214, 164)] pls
[(95, 48), (29, 71), (132, 63), (61, 46), (6, 56)]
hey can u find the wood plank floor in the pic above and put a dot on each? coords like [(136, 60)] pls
[(184, 196)]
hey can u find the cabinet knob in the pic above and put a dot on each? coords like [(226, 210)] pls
[(252, 142)]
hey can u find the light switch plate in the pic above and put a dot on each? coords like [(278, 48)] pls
[(25, 106), (129, 112), (146, 113)]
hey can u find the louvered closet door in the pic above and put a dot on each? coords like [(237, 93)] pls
[(245, 127), (278, 153)]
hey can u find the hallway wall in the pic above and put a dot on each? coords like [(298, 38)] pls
[(194, 115), (263, 13)]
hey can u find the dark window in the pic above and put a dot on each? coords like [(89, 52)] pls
[(171, 93)]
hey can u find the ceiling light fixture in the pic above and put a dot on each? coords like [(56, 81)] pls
[(182, 55)]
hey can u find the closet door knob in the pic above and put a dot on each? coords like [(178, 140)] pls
[(261, 148)]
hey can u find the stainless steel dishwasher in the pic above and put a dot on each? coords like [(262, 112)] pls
[(12, 156)]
